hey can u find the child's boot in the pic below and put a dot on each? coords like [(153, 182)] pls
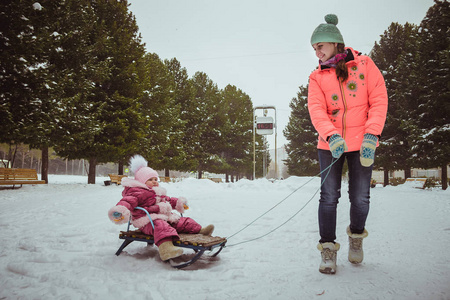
[(167, 251), (329, 255), (355, 246), (208, 230)]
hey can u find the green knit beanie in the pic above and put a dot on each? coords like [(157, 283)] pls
[(327, 32)]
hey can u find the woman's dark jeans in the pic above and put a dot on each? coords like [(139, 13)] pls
[(330, 192)]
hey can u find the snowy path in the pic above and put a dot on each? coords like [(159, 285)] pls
[(57, 243)]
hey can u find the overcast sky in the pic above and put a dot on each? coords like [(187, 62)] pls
[(260, 46)]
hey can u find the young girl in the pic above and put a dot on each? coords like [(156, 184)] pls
[(347, 102), (144, 191)]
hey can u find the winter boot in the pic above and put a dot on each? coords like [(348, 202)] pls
[(167, 251), (329, 253), (355, 243), (208, 230)]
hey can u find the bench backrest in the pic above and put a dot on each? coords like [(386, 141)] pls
[(416, 182), (164, 179), (18, 174), (116, 178)]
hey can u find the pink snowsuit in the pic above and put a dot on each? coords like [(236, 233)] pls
[(160, 206)]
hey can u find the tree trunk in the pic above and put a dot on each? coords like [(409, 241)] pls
[(386, 177), (227, 177), (408, 173), (44, 169), (92, 167), (200, 174), (166, 172), (444, 177), (12, 154), (120, 168)]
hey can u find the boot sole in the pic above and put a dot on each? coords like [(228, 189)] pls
[(173, 255), (355, 262), (327, 271)]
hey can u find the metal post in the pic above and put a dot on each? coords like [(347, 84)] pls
[(276, 129), (254, 140)]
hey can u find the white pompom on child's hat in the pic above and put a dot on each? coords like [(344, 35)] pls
[(142, 173)]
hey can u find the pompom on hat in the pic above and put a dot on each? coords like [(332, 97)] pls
[(327, 32), (142, 173)]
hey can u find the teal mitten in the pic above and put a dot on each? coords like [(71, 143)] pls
[(368, 147), (337, 145)]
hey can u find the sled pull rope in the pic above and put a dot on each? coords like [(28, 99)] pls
[(296, 213)]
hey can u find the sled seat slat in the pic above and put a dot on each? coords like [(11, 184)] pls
[(196, 240)]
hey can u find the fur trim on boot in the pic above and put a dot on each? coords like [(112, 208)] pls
[(208, 230), (329, 257), (355, 246), (167, 251)]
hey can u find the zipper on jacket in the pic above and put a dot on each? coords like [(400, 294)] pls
[(344, 115)]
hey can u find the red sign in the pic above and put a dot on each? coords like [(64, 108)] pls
[(264, 126)]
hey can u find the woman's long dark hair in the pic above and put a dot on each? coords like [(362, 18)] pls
[(341, 68)]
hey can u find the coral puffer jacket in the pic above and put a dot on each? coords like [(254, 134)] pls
[(351, 108)]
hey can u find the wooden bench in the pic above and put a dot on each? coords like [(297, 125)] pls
[(418, 183), (216, 180), (19, 176), (117, 179), (165, 179)]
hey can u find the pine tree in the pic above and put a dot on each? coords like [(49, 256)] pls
[(21, 81), (302, 138), (203, 126), (184, 97), (237, 132), (98, 66), (433, 145), (56, 22), (394, 56), (162, 145)]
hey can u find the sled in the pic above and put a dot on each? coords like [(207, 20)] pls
[(198, 242)]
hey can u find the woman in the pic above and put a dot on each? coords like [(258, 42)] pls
[(347, 102)]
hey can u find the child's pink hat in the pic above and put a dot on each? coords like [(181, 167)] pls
[(142, 173)]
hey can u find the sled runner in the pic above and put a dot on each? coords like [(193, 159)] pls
[(198, 242)]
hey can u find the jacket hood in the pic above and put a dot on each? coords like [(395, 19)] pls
[(128, 182)]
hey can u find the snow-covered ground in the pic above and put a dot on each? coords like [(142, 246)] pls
[(58, 243)]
